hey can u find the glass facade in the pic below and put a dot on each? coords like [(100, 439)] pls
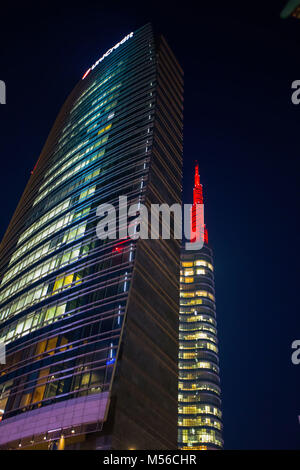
[(199, 395), (73, 308)]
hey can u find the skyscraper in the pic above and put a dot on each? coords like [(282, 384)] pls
[(90, 325), (199, 402)]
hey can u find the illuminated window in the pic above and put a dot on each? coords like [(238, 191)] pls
[(66, 280), (188, 272), (186, 264), (187, 294), (202, 262), (192, 302), (200, 271), (104, 129), (203, 293)]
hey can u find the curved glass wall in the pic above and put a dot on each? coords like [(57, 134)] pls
[(200, 424)]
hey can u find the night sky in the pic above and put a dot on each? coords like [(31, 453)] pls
[(239, 60)]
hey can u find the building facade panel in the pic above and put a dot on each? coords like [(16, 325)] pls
[(73, 308)]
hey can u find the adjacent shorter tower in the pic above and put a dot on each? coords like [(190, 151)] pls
[(200, 416)]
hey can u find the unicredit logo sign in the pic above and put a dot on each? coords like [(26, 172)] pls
[(107, 53)]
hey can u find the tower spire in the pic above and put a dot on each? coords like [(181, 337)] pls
[(197, 199), (198, 190)]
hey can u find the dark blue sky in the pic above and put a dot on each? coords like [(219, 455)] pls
[(239, 60)]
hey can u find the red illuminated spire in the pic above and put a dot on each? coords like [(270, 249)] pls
[(197, 191), (197, 199)]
